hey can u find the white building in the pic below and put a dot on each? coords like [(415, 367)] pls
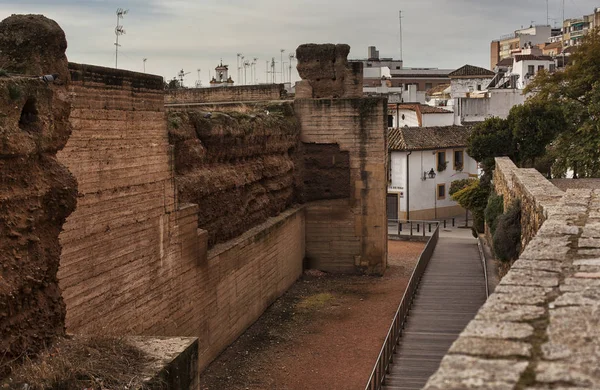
[(527, 66), (418, 115), (468, 80), (493, 103), (423, 164)]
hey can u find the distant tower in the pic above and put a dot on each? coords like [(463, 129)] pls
[(222, 78)]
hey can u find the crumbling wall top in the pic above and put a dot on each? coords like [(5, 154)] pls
[(33, 45), (326, 72)]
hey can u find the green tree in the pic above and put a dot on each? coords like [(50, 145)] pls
[(489, 139), (575, 91), (534, 126), (474, 198)]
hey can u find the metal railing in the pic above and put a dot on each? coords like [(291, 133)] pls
[(421, 227), (390, 343)]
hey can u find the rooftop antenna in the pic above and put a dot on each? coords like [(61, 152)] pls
[(547, 14), (145, 59), (181, 75), (282, 74), (291, 56), (253, 70), (239, 55), (400, 19), (118, 32), (198, 82)]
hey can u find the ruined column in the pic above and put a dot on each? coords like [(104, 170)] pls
[(36, 192)]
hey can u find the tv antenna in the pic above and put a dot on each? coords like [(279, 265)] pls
[(199, 82), (119, 30), (291, 56), (282, 73), (181, 75), (400, 19), (145, 59)]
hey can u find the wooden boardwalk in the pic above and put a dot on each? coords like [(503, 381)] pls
[(450, 294)]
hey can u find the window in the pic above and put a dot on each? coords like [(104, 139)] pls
[(441, 161), (390, 121), (441, 191), (479, 87), (406, 87), (552, 68), (540, 67), (459, 157), (428, 86), (531, 70)]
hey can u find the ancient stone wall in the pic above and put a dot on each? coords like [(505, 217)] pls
[(534, 191), (326, 172), (37, 192), (349, 235), (239, 168), (540, 328), (134, 261), (245, 93)]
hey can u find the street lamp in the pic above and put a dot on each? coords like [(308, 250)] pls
[(431, 174)]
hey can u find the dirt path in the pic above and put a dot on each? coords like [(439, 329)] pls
[(324, 333)]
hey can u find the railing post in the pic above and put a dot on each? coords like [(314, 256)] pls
[(418, 227), (444, 223), (452, 222), (399, 227), (411, 229), (429, 227), (423, 229)]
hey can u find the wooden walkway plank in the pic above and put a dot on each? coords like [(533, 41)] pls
[(450, 293)]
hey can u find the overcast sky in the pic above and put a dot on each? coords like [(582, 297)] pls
[(193, 34)]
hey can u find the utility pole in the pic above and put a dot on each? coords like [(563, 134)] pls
[(145, 59), (282, 77), (273, 73), (547, 13), (119, 30), (254, 77), (239, 69), (400, 19), (291, 59)]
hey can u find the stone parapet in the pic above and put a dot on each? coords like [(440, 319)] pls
[(536, 193), (540, 329)]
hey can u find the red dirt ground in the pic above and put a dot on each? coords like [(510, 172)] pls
[(324, 333)]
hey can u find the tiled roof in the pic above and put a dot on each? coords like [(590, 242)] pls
[(553, 45), (428, 138), (506, 62), (437, 89), (531, 57), (426, 109), (473, 71)]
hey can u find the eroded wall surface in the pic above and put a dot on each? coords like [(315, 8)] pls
[(239, 168), (134, 261), (540, 328), (37, 192), (349, 234)]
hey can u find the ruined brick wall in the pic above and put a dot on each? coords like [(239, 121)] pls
[(534, 191), (349, 235), (245, 93), (37, 192), (239, 168), (326, 72), (134, 261)]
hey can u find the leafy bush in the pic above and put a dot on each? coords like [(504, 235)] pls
[(458, 185), (495, 208), (474, 197), (14, 92), (507, 238)]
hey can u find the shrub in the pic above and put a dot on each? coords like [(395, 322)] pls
[(474, 197), (495, 208), (507, 238)]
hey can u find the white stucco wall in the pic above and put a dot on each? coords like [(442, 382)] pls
[(521, 68), (459, 88), (433, 120), (410, 118), (423, 195), (497, 105)]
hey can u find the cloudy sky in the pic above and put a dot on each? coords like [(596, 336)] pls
[(196, 34)]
